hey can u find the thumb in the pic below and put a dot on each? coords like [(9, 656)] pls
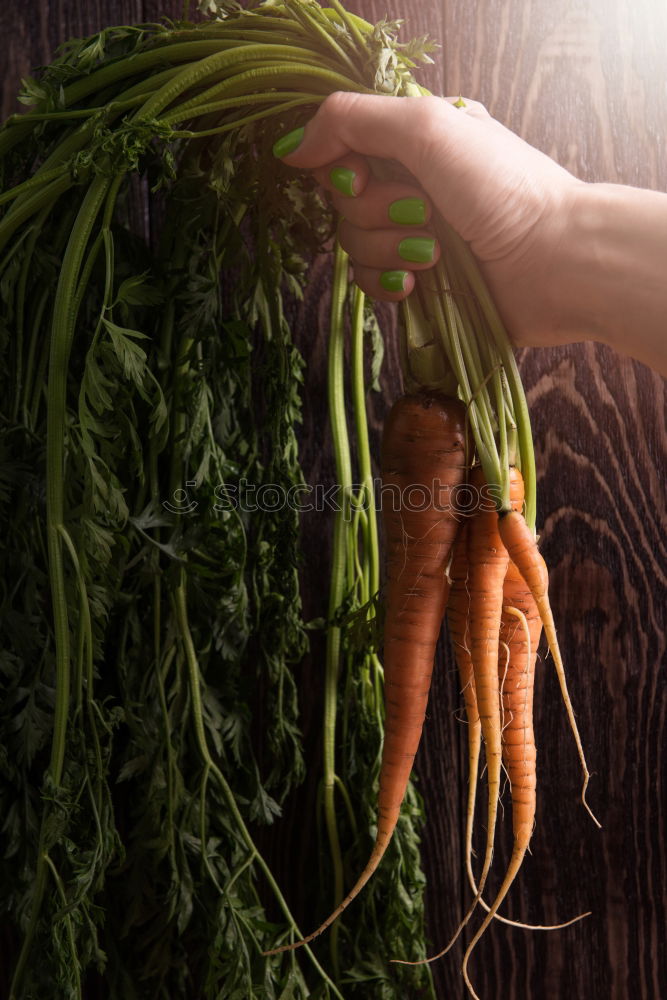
[(369, 124)]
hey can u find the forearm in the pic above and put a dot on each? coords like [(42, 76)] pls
[(614, 274)]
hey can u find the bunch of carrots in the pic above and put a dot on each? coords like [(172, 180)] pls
[(458, 505), (463, 421), (478, 563)]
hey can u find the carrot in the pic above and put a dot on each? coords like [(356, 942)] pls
[(458, 611), (519, 754), (487, 565), (475, 612), (423, 461), (480, 598), (521, 545), (520, 631)]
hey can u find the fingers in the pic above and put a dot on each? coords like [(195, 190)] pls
[(450, 149), (383, 259), (390, 285), (347, 178), (369, 203), (388, 248), (382, 226)]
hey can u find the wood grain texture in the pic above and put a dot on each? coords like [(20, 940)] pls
[(585, 81)]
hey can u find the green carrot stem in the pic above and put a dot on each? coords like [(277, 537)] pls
[(353, 22), (64, 318), (257, 116), (45, 196), (181, 613), (343, 466), (139, 63), (232, 103), (192, 75), (495, 325), (310, 18), (448, 323), (36, 229), (32, 384), (86, 625), (74, 957), (33, 182), (235, 74), (348, 804), (265, 76), (363, 448)]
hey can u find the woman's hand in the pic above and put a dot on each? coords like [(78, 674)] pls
[(510, 202)]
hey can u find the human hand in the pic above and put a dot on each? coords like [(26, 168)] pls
[(508, 200)]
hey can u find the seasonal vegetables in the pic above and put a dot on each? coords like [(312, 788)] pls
[(150, 394), (423, 457)]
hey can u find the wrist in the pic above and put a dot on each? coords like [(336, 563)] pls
[(610, 273), (578, 270)]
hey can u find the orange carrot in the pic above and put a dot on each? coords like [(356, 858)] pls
[(520, 631), (482, 590), (487, 565), (423, 451), (458, 612), (521, 545)]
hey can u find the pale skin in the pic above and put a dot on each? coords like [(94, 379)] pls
[(565, 260)]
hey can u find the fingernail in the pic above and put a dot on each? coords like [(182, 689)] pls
[(288, 143), (342, 179), (408, 211), (393, 281), (417, 249)]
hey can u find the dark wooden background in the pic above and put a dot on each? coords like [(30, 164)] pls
[(586, 81)]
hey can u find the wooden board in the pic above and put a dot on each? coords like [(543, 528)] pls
[(585, 81)]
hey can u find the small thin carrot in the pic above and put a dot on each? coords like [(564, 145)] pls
[(423, 461), (487, 565), (520, 632), (458, 623), (521, 545), (520, 629)]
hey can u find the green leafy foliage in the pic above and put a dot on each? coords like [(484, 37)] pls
[(178, 623)]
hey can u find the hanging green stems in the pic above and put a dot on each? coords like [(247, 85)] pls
[(133, 781)]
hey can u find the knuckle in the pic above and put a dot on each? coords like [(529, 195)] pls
[(339, 103)]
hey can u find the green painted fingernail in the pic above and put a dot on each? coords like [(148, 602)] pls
[(342, 179), (393, 281), (408, 211), (288, 143), (417, 249)]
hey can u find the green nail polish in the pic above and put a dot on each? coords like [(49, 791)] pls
[(342, 179), (408, 211), (417, 249), (288, 143), (393, 281)]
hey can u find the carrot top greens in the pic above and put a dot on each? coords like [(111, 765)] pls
[(147, 372)]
